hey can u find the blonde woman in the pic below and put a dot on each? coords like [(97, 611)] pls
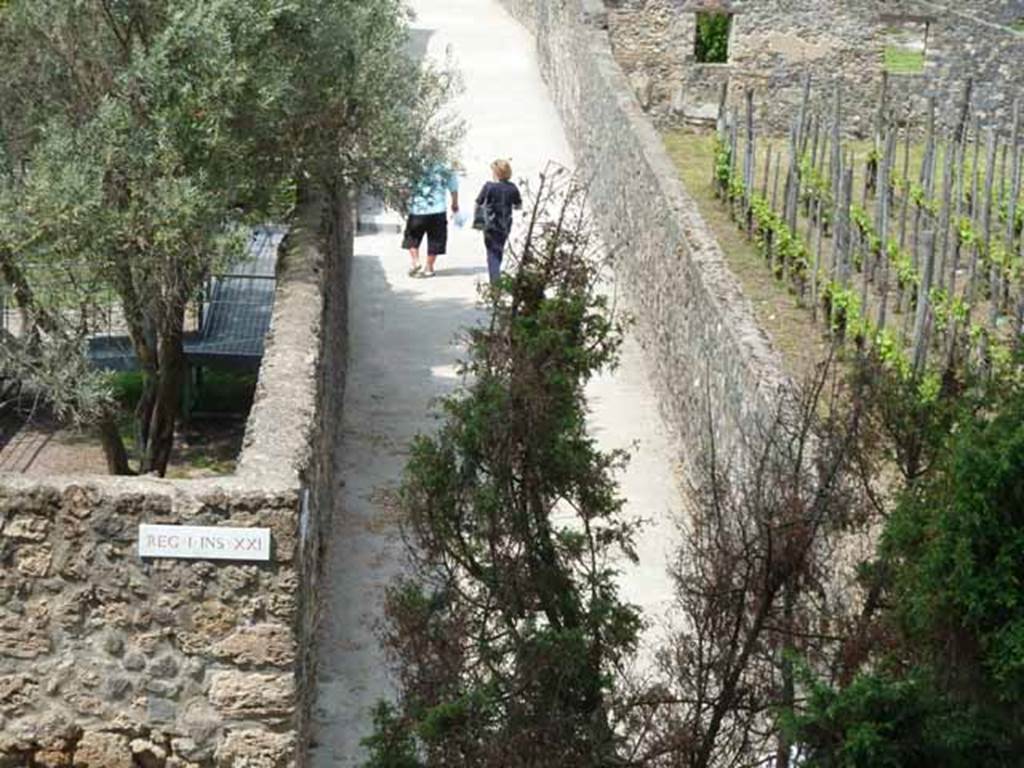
[(494, 206)]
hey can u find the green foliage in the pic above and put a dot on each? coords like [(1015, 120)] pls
[(900, 61), (510, 628), (775, 237), (843, 305), (816, 187), (960, 540), (892, 354), (862, 221), (884, 720), (945, 310), (712, 38), (947, 687), (220, 391), (391, 745), (140, 140), (907, 277), (967, 236), (723, 163)]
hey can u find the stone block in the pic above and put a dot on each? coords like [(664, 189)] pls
[(211, 621), (259, 644), (199, 721), (148, 754), (118, 688), (256, 749), (103, 750), (160, 710), (17, 693), (241, 694), (87, 704), (27, 528), (24, 641), (113, 643), (33, 560), (163, 688), (190, 750), (164, 667), (80, 500), (52, 757)]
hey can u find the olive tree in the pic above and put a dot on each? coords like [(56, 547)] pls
[(140, 138)]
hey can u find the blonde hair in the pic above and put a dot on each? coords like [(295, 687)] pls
[(502, 169)]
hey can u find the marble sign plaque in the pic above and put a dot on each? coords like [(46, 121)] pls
[(204, 542)]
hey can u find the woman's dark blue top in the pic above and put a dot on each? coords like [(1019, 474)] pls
[(502, 197)]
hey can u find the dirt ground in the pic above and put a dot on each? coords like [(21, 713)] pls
[(42, 446)]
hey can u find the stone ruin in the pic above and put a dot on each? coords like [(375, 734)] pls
[(772, 45), (112, 661)]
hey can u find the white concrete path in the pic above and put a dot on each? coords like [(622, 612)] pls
[(403, 349)]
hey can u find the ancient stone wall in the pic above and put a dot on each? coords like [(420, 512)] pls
[(772, 45), (110, 661), (1005, 12), (963, 44), (711, 357)]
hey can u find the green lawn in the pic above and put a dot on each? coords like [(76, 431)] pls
[(903, 61)]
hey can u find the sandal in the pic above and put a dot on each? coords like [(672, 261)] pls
[(414, 271)]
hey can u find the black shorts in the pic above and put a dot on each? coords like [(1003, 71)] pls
[(433, 225)]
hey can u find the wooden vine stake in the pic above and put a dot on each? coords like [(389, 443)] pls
[(835, 164), (905, 202), (922, 319), (924, 176), (1012, 200), (883, 222), (748, 166), (945, 212), (972, 275), (720, 129)]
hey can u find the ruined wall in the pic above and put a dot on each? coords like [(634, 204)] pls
[(773, 44), (964, 45), (107, 660), (1005, 12), (710, 356), (103, 656)]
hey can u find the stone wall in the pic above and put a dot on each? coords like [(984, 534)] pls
[(1004, 12), (107, 660), (710, 355), (772, 45)]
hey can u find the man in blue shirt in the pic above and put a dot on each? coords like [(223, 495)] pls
[(427, 217)]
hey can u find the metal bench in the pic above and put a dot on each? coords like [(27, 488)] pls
[(234, 316)]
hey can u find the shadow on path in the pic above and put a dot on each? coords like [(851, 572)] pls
[(403, 351)]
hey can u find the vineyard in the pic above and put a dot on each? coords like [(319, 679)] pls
[(910, 243)]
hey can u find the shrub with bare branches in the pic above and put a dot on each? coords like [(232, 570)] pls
[(509, 630)]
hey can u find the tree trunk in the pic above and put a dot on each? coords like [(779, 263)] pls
[(167, 396), (788, 697), (144, 408), (113, 447)]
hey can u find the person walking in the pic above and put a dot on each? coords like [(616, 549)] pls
[(494, 206), (427, 217)]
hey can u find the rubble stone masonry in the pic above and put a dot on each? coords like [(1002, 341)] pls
[(773, 44), (710, 355), (110, 661)]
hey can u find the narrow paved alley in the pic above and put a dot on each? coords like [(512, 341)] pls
[(403, 347)]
